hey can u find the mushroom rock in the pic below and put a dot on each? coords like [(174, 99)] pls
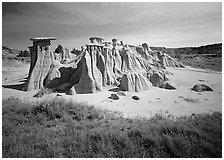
[(114, 41), (134, 82), (97, 65), (40, 69), (41, 60), (145, 45)]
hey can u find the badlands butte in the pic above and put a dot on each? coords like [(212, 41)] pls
[(134, 80)]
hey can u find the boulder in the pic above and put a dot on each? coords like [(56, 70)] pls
[(201, 88), (135, 97), (114, 96)]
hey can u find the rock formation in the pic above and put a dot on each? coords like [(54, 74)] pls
[(41, 60), (201, 88), (168, 61), (24, 54), (99, 64), (134, 82)]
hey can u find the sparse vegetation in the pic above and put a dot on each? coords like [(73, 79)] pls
[(205, 57), (43, 91), (60, 129)]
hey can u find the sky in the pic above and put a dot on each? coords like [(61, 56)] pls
[(169, 24)]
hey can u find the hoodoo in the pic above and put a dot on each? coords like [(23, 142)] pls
[(99, 64), (41, 60)]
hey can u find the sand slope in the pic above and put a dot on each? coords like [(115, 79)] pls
[(179, 102)]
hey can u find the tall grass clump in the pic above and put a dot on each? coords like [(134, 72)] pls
[(56, 128)]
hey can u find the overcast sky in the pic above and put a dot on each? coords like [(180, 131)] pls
[(158, 24)]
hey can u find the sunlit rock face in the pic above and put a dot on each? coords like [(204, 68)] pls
[(98, 65)]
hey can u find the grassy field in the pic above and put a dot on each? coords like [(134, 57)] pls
[(212, 63), (198, 57), (58, 129)]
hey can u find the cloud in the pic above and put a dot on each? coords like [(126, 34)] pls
[(171, 24)]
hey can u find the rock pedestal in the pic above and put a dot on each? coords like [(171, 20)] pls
[(41, 60)]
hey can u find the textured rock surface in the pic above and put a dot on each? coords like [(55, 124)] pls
[(40, 70), (157, 79), (63, 55), (168, 61), (114, 96), (133, 68), (134, 82)]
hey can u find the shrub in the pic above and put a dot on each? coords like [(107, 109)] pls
[(57, 128)]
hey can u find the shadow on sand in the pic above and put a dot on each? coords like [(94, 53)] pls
[(18, 86), (15, 86), (115, 89)]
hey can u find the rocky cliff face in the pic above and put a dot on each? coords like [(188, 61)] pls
[(132, 68)]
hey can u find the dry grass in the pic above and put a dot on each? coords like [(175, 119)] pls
[(59, 129)]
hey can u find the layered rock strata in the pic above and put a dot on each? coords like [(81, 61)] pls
[(132, 68)]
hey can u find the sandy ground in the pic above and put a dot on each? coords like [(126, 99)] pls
[(179, 102)]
